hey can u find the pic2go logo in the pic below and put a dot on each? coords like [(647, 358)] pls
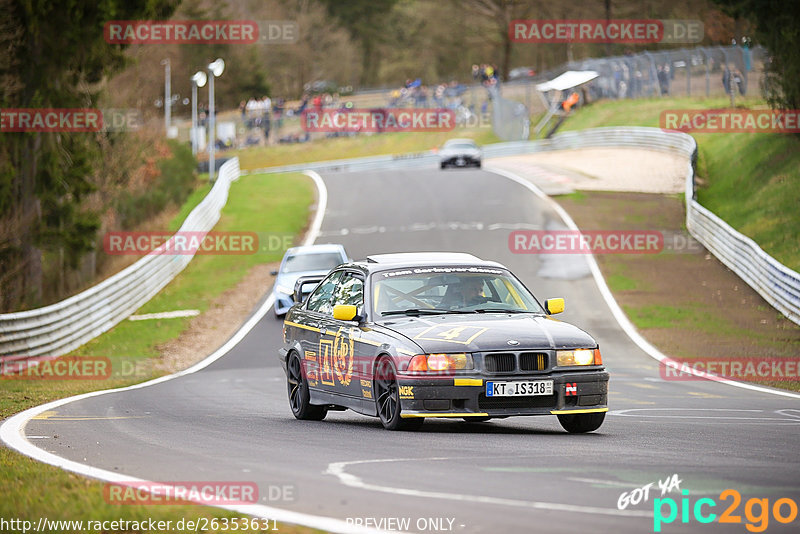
[(757, 511)]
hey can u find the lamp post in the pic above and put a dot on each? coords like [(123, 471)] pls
[(215, 68), (167, 95), (198, 80)]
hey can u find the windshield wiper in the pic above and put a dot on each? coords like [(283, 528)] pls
[(423, 311), (499, 310)]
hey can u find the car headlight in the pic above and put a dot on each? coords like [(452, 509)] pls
[(283, 289), (436, 363), (578, 357)]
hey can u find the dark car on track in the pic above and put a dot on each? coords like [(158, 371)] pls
[(409, 336)]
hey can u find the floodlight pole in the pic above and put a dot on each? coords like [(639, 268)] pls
[(194, 117), (212, 137), (214, 69), (198, 80), (167, 95)]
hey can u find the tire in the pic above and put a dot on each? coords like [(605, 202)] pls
[(580, 423), (478, 165), (387, 399), (297, 388), (442, 165)]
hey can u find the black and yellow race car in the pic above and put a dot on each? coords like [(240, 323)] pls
[(414, 335)]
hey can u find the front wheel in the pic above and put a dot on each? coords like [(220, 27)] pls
[(581, 422), (387, 399), (299, 397)]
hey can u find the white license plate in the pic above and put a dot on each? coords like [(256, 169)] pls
[(519, 389)]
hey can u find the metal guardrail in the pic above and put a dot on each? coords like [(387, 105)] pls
[(61, 327)]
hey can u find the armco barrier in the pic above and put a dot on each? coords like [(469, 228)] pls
[(59, 328), (779, 285)]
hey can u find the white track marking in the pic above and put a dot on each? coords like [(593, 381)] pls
[(616, 311), (339, 470), (12, 432), (164, 315), (788, 419)]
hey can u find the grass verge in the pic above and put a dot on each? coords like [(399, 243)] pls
[(750, 180), (355, 147), (35, 490)]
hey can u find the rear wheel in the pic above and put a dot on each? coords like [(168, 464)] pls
[(387, 399), (299, 397), (581, 422)]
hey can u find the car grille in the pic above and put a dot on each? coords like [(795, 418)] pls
[(506, 362), (520, 403), (533, 361), (501, 362)]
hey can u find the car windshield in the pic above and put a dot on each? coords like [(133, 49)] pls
[(449, 290), (461, 146), (323, 261)]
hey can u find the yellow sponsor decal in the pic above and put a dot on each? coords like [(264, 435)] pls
[(336, 358), (366, 384), (467, 381), (298, 325), (406, 392), (367, 393)]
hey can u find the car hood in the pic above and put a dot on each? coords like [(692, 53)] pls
[(489, 332), (289, 279)]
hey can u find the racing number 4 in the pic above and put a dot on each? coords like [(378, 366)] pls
[(453, 333)]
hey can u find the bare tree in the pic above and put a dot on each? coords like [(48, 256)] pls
[(501, 13)]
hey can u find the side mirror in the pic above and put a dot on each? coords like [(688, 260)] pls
[(554, 306), (345, 312), (304, 286), (274, 273)]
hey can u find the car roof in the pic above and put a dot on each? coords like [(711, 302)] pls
[(316, 249), (459, 141), (406, 257), (383, 262)]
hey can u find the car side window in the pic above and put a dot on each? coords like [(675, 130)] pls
[(321, 300), (349, 291)]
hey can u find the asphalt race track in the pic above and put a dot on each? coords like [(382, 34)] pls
[(231, 421)]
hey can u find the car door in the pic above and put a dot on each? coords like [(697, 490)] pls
[(340, 365), (318, 306)]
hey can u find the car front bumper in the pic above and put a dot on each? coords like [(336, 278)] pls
[(465, 396), (460, 161)]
